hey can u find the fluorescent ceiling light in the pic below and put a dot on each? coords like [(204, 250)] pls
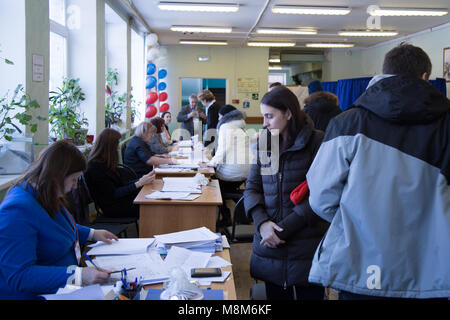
[(275, 68), (311, 10), (270, 44), (201, 29), (368, 33), (274, 60), (199, 7), (329, 45), (286, 31), (407, 12), (204, 42)]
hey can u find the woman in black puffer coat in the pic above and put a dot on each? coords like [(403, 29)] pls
[(286, 235)]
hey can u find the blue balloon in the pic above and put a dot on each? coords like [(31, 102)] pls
[(162, 73), (162, 86), (151, 68), (151, 82)]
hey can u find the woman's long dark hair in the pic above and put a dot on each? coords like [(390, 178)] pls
[(47, 174), (284, 99), (105, 149)]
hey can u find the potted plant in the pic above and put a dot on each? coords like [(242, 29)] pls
[(65, 115), (15, 110), (115, 103)]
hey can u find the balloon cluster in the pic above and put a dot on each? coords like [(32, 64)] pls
[(156, 75)]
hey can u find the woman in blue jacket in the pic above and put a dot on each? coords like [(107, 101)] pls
[(39, 239), (286, 235)]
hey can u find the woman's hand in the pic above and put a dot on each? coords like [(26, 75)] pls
[(146, 179), (269, 237), (104, 235), (92, 275)]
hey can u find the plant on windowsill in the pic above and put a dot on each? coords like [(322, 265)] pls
[(66, 119), (115, 103), (9, 124)]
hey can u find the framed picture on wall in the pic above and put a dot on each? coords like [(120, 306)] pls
[(446, 66)]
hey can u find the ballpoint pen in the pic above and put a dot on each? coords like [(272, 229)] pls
[(91, 261)]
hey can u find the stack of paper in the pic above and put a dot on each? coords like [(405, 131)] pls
[(168, 195), (182, 166), (189, 185), (188, 239)]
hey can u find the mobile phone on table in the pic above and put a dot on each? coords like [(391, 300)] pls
[(205, 272)]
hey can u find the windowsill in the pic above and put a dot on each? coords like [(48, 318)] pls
[(6, 181)]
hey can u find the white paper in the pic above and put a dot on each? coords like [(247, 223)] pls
[(192, 235), (93, 292), (186, 259), (123, 246), (217, 262), (177, 184), (185, 143), (168, 195)]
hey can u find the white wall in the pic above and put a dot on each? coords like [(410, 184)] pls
[(368, 62), (225, 63)]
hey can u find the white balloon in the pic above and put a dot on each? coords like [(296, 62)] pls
[(161, 62), (152, 39), (152, 54), (163, 51)]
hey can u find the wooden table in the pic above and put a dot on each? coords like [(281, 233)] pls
[(167, 216), (228, 287)]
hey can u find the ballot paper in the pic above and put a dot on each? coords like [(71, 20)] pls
[(167, 195), (187, 238), (186, 259), (120, 247), (177, 184)]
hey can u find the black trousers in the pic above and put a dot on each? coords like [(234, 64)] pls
[(310, 292)]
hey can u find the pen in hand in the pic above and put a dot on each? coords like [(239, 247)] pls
[(91, 261)]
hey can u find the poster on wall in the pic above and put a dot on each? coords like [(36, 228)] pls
[(446, 65)]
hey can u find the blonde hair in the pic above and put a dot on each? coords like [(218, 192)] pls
[(206, 95), (143, 128)]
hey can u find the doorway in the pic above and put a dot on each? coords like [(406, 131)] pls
[(191, 86)]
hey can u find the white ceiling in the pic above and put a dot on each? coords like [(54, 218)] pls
[(243, 22)]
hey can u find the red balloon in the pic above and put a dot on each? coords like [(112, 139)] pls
[(163, 96), (151, 112), (164, 108), (152, 97)]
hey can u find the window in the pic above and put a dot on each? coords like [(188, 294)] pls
[(58, 60), (58, 11), (277, 77), (138, 76)]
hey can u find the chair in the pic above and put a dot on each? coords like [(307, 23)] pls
[(78, 201), (258, 291), (242, 229), (101, 219)]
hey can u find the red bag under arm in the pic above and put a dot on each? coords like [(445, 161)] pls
[(300, 193)]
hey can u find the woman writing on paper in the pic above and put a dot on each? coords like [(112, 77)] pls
[(113, 186), (39, 239), (138, 155)]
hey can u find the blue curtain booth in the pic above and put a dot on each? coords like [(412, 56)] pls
[(348, 90), (440, 84), (329, 86)]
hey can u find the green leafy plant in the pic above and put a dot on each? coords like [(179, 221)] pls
[(65, 115), (18, 101), (115, 103)]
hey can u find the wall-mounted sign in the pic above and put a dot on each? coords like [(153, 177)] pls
[(247, 85), (255, 96), (38, 68)]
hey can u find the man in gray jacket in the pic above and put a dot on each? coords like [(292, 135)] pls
[(192, 117), (382, 178)]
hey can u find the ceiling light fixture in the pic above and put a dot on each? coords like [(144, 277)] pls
[(275, 68), (304, 31), (201, 29), (275, 60), (330, 45), (408, 12), (199, 7), (204, 42), (311, 10), (368, 33), (270, 44)]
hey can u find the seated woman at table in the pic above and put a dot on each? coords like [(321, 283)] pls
[(157, 145), (233, 157), (113, 186), (138, 155), (39, 239), (165, 135)]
